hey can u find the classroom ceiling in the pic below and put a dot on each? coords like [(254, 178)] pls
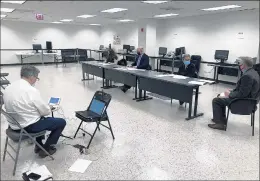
[(58, 10)]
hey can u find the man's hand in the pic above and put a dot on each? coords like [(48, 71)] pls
[(227, 92)]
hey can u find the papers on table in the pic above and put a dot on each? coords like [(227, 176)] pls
[(129, 68), (80, 165), (222, 94), (42, 171), (104, 63), (196, 82), (173, 76), (207, 81)]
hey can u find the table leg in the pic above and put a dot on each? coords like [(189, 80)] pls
[(42, 57), (217, 74), (22, 59), (195, 115), (108, 84)]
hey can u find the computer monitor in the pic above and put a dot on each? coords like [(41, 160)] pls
[(49, 46), (162, 51), (101, 47), (221, 55), (132, 48), (126, 47), (180, 51), (37, 47)]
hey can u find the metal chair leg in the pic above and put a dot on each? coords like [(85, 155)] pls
[(253, 127), (78, 129), (251, 119), (5, 149), (227, 120), (17, 154), (92, 136), (110, 128)]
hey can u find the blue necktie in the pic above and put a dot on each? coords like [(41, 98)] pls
[(139, 60)]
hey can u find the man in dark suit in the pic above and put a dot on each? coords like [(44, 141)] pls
[(187, 69), (141, 62), (248, 86)]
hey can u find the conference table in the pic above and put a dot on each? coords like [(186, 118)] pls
[(24, 55), (168, 85)]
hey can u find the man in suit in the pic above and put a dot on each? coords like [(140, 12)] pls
[(248, 86), (141, 62), (187, 69)]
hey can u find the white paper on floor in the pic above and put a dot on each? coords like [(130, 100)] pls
[(196, 82), (80, 165)]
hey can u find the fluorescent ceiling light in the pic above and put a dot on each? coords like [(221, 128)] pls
[(113, 10), (86, 16), (7, 10), (125, 20), (221, 8), (165, 15), (66, 20), (95, 24), (154, 2), (56, 22), (3, 15), (13, 2)]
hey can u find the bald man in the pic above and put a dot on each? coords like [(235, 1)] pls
[(141, 62)]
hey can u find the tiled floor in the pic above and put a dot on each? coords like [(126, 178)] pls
[(153, 139)]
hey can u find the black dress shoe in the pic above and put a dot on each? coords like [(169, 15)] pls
[(37, 149), (51, 150), (218, 126), (217, 122)]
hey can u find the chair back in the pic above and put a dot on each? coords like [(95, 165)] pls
[(196, 59), (10, 119), (244, 106), (103, 98)]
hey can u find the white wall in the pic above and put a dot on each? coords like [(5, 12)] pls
[(21, 35), (128, 33), (202, 35)]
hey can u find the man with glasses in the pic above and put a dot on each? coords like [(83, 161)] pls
[(24, 103)]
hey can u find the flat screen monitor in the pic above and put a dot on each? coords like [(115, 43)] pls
[(162, 50), (101, 47), (132, 48), (48, 46), (180, 51), (37, 47), (221, 55), (126, 47)]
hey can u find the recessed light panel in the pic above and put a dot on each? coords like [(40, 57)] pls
[(114, 10), (221, 8)]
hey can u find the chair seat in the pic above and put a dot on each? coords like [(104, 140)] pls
[(4, 82), (4, 74), (88, 116), (15, 134)]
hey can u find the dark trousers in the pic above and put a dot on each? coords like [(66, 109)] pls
[(219, 109), (55, 125)]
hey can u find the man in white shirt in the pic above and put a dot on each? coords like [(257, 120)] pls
[(24, 103)]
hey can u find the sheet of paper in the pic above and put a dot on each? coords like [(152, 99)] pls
[(80, 165), (222, 94), (42, 171), (179, 77), (105, 63), (207, 81), (165, 75), (196, 82)]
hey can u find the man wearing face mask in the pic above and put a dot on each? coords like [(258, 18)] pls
[(141, 62), (248, 86), (24, 103), (187, 69)]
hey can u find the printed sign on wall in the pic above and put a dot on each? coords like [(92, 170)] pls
[(116, 40)]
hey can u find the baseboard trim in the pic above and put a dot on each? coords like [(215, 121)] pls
[(39, 63)]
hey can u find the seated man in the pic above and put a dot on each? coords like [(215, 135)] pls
[(187, 69), (248, 86), (141, 62), (24, 103)]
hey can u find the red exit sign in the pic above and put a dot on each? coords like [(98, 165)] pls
[(39, 16)]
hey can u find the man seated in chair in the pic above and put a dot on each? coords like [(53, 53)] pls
[(247, 87), (141, 62), (187, 69), (24, 103)]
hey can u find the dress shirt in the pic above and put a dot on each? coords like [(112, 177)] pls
[(24, 103)]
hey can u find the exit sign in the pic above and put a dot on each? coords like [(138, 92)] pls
[(39, 16)]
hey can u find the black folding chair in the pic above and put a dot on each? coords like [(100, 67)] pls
[(96, 112), (244, 106)]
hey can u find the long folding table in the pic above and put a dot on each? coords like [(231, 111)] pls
[(168, 86)]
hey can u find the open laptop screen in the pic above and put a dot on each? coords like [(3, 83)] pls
[(97, 106)]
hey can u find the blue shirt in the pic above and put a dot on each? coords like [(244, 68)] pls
[(138, 60)]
